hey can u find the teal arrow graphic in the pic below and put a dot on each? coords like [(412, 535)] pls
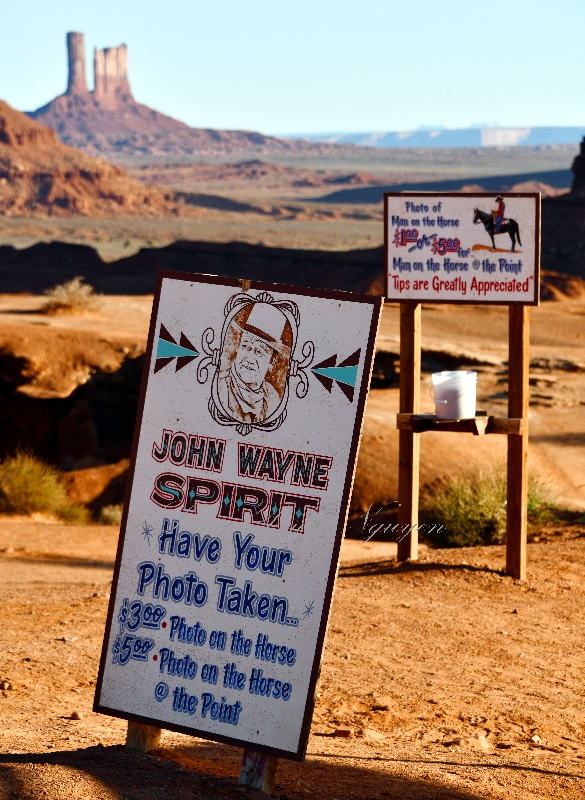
[(170, 350), (344, 374), (347, 375)]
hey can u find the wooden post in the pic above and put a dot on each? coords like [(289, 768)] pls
[(258, 771), (142, 738), (409, 442), (517, 505)]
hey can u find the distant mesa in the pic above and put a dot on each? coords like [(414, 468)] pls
[(549, 183), (462, 137), (108, 120)]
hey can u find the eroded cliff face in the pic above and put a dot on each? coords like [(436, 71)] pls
[(39, 175)]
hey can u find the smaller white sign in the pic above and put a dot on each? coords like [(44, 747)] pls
[(462, 248)]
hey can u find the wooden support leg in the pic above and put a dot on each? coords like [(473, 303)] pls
[(258, 771), (517, 505), (142, 738), (409, 443)]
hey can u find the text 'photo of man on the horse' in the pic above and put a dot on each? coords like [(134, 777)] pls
[(495, 224)]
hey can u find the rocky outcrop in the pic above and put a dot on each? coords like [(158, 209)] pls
[(110, 74), (17, 131), (555, 286), (111, 87), (91, 426), (578, 168), (108, 120), (563, 226), (39, 175)]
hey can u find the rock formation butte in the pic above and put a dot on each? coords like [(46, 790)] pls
[(109, 120), (39, 175), (563, 225), (578, 187)]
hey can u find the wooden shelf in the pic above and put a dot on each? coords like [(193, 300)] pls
[(478, 426)]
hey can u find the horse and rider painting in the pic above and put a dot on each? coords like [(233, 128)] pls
[(494, 223)]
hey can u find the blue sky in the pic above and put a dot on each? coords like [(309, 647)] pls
[(316, 65)]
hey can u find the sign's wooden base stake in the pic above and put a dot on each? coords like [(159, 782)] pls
[(258, 771), (142, 738), (409, 442), (518, 396)]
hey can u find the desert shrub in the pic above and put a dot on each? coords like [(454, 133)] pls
[(73, 513), (72, 297), (29, 485), (471, 507), (111, 515), (541, 495)]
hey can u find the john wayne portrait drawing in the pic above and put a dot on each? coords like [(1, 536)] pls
[(253, 363)]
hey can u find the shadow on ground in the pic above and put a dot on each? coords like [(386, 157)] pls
[(392, 567), (204, 771), (61, 560)]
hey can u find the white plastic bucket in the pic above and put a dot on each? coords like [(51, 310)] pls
[(454, 394)]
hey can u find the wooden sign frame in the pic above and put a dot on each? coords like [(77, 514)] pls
[(411, 423)]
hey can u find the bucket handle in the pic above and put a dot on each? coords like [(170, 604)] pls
[(433, 397)]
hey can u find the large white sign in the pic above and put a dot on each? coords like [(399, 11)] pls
[(462, 248), (245, 451)]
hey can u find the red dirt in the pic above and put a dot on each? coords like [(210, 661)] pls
[(192, 176), (55, 362), (555, 286), (97, 486)]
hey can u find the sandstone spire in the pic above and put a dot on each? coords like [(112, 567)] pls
[(109, 119), (111, 86), (76, 83)]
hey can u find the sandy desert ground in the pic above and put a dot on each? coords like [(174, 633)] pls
[(458, 682)]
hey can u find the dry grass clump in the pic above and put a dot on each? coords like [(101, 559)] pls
[(72, 297), (471, 508), (111, 515), (29, 485)]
